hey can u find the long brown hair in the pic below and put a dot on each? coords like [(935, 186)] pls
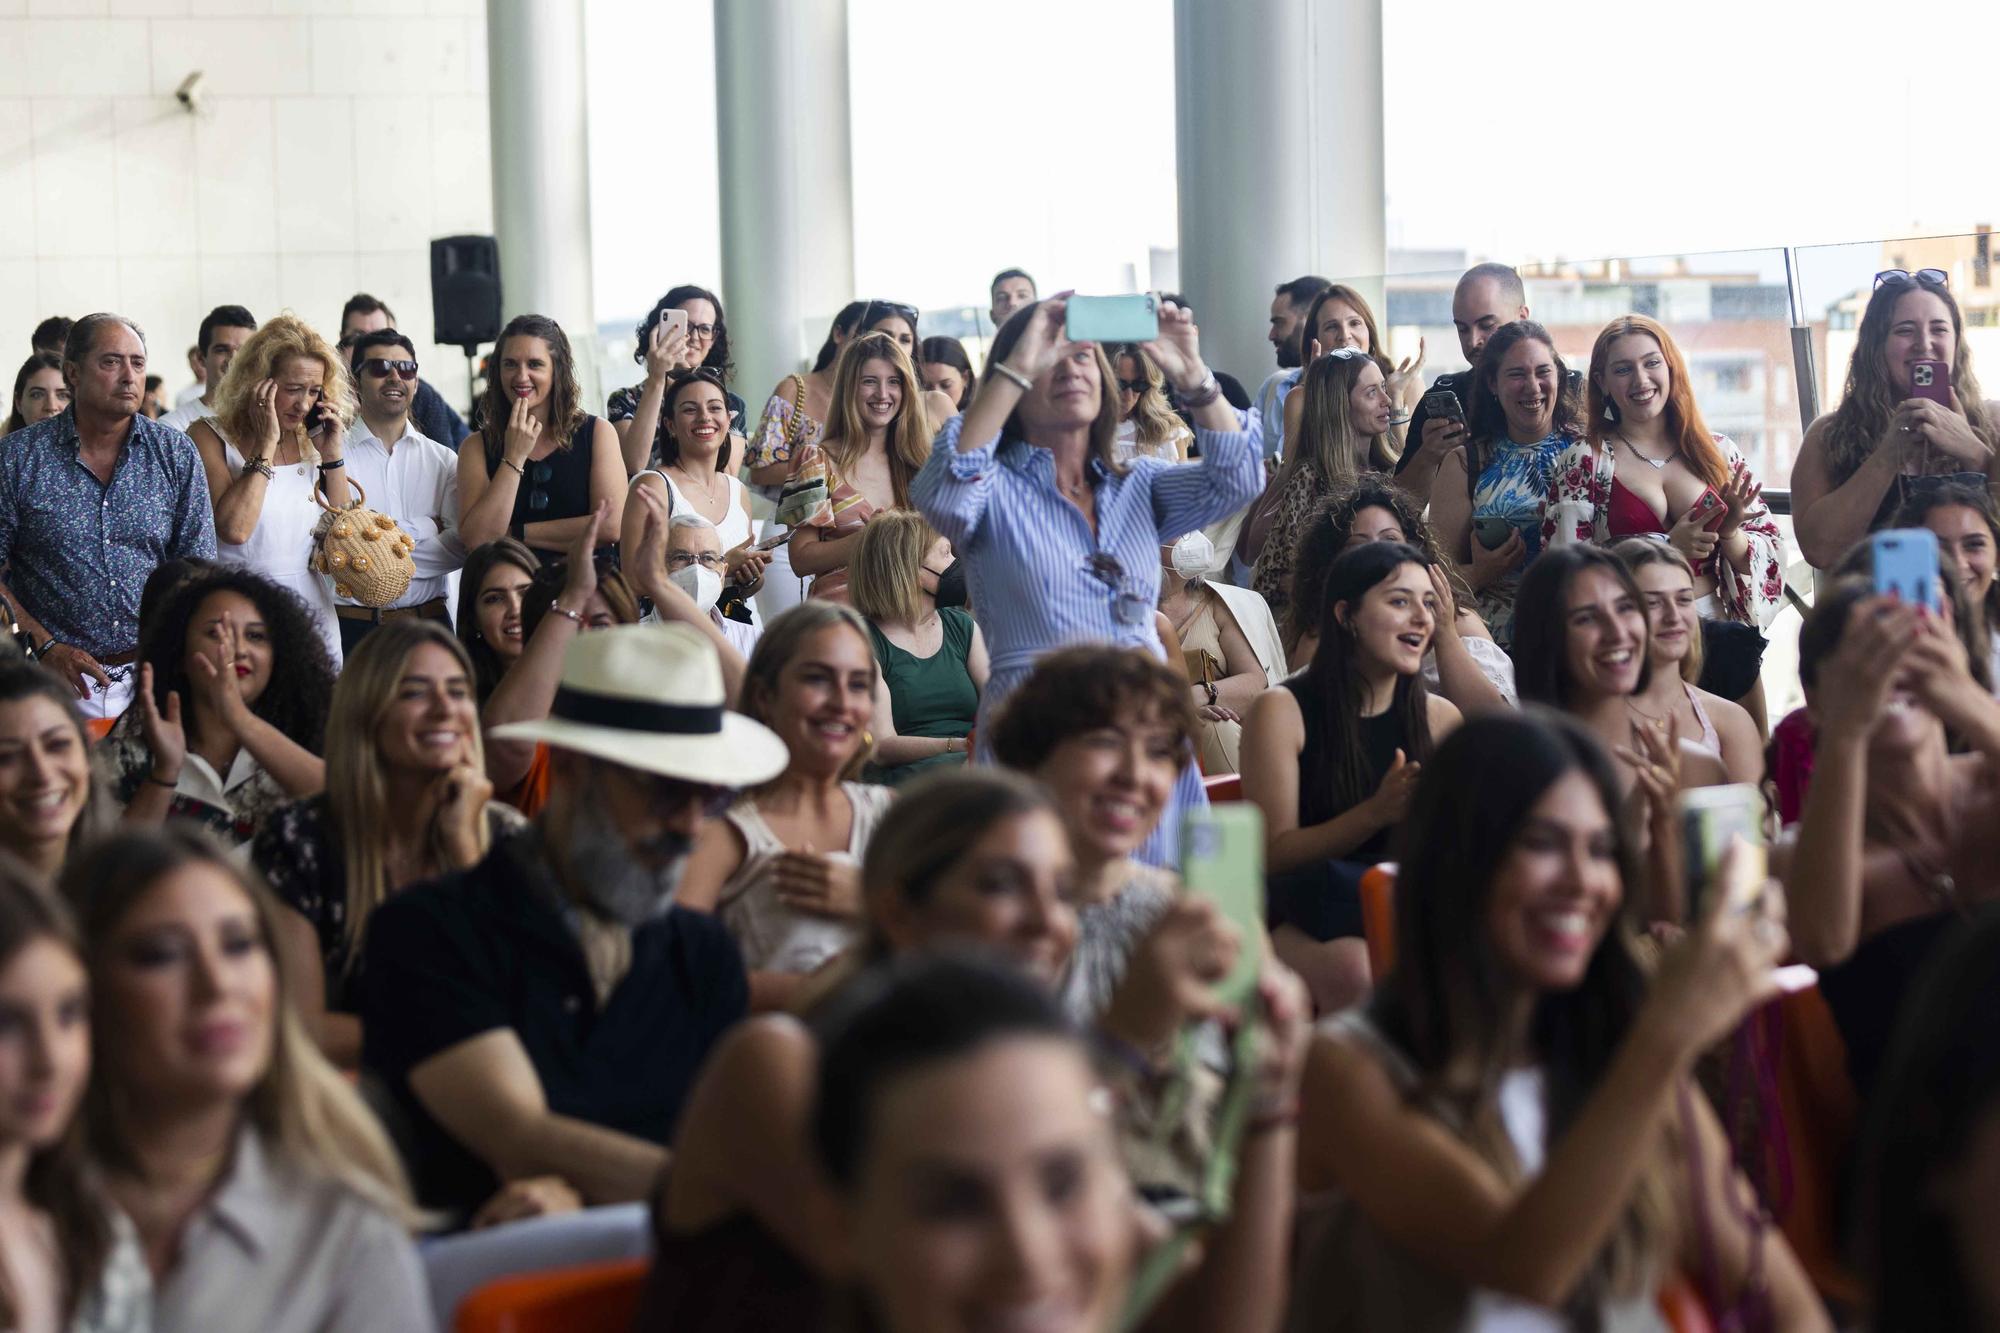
[(1328, 443), (21, 679), (1309, 326), (1153, 421), (909, 435), (1685, 426), (1868, 400), (59, 1179), (565, 398)]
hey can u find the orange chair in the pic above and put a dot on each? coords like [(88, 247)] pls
[(100, 727), (591, 1298), (1681, 1306), (1223, 787), (1819, 1109), (1378, 916)]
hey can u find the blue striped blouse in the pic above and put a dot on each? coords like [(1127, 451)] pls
[(1039, 579)]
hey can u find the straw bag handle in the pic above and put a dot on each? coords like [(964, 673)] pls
[(319, 487)]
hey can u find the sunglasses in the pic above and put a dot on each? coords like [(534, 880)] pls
[(1902, 277), (1137, 387), (538, 475), (879, 310), (382, 368), (1127, 606)]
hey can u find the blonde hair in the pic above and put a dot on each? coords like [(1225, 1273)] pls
[(885, 577), (780, 643), (1635, 553), (306, 1113), (909, 442), (280, 339), (357, 788), (1153, 422)]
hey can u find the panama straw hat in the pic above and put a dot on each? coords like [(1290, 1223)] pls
[(651, 697)]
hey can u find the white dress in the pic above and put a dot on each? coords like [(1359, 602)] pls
[(734, 529), (281, 543)]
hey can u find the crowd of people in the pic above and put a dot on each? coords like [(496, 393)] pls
[(798, 825)]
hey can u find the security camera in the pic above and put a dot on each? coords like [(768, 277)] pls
[(189, 93)]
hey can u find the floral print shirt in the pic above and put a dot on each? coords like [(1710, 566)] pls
[(1514, 485)]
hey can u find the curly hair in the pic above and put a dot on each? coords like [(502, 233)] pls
[(717, 358), (669, 449), (1073, 690), (565, 398), (301, 686), (1327, 535), (281, 339), (1868, 400)]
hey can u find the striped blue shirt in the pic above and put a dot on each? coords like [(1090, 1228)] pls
[(1039, 579)]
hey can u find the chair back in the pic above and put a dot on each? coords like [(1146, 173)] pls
[(1378, 917), (593, 1298)]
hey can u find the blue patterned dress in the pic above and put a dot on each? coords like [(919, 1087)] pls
[(1515, 486)]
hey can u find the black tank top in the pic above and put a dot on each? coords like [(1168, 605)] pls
[(1381, 736), (561, 481)]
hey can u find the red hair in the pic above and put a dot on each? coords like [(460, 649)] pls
[(1685, 427)]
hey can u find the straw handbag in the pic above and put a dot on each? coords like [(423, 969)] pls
[(365, 554)]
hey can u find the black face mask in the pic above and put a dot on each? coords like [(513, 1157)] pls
[(951, 585)]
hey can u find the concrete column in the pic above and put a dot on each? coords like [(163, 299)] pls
[(1278, 113), (787, 177), (541, 169)]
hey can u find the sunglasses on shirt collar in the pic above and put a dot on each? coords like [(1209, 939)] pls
[(382, 368)]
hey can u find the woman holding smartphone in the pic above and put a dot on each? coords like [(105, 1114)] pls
[(1509, 1130), (1649, 466), (277, 436), (1862, 460), (1061, 542), (684, 331), (1489, 499)]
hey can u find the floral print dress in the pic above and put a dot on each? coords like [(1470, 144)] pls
[(1514, 485)]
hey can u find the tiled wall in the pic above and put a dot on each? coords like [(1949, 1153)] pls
[(335, 138)]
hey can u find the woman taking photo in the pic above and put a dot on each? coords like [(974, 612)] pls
[(1339, 319), (40, 392), (974, 860), (49, 802), (68, 1260), (407, 799), (1332, 756), (1862, 461), (875, 442), (1584, 646), (668, 350), (230, 719), (490, 589), (540, 464), (1489, 499), (1060, 542), (1464, 664), (275, 442), (1146, 422), (1670, 700), (781, 868), (1647, 462), (932, 659), (1342, 433), (947, 370), (1967, 526), (1510, 1124), (264, 1192), (691, 472)]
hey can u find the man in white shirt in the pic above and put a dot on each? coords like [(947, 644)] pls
[(227, 328), (694, 561), (404, 474)]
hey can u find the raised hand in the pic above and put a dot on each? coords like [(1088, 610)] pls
[(1391, 800), (1724, 966), (1739, 497), (166, 738), (1043, 342), (1946, 430), (580, 575), (744, 563), (1177, 351), (524, 429), (1406, 381), (268, 430), (666, 350), (1855, 680), (1171, 976), (458, 800), (213, 674)]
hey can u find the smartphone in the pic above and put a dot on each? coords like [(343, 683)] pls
[(1906, 566), (1112, 319), (1932, 380), (1444, 403), (1493, 531), (675, 319), (1710, 503), (1222, 859), (1711, 819)]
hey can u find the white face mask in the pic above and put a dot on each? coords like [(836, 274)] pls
[(701, 583), (1193, 554)]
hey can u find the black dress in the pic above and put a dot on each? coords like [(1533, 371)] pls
[(552, 488)]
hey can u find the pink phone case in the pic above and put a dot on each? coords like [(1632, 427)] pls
[(1708, 499), (1932, 380)]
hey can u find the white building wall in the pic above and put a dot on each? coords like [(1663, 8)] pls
[(334, 139)]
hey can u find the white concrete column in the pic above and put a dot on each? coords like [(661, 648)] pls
[(1278, 113), (787, 176), (541, 169)]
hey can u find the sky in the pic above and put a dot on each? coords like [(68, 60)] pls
[(1040, 133)]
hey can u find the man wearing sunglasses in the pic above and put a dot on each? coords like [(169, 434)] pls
[(404, 474), (367, 314)]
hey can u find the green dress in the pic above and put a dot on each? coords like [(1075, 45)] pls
[(931, 696)]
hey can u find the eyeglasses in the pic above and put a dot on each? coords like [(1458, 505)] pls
[(707, 560), (1912, 487), (701, 332), (1136, 387), (665, 793), (381, 368), (538, 475), (1902, 277)]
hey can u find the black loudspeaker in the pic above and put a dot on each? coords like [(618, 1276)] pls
[(465, 291)]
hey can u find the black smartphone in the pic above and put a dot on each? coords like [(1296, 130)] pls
[(1444, 403)]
